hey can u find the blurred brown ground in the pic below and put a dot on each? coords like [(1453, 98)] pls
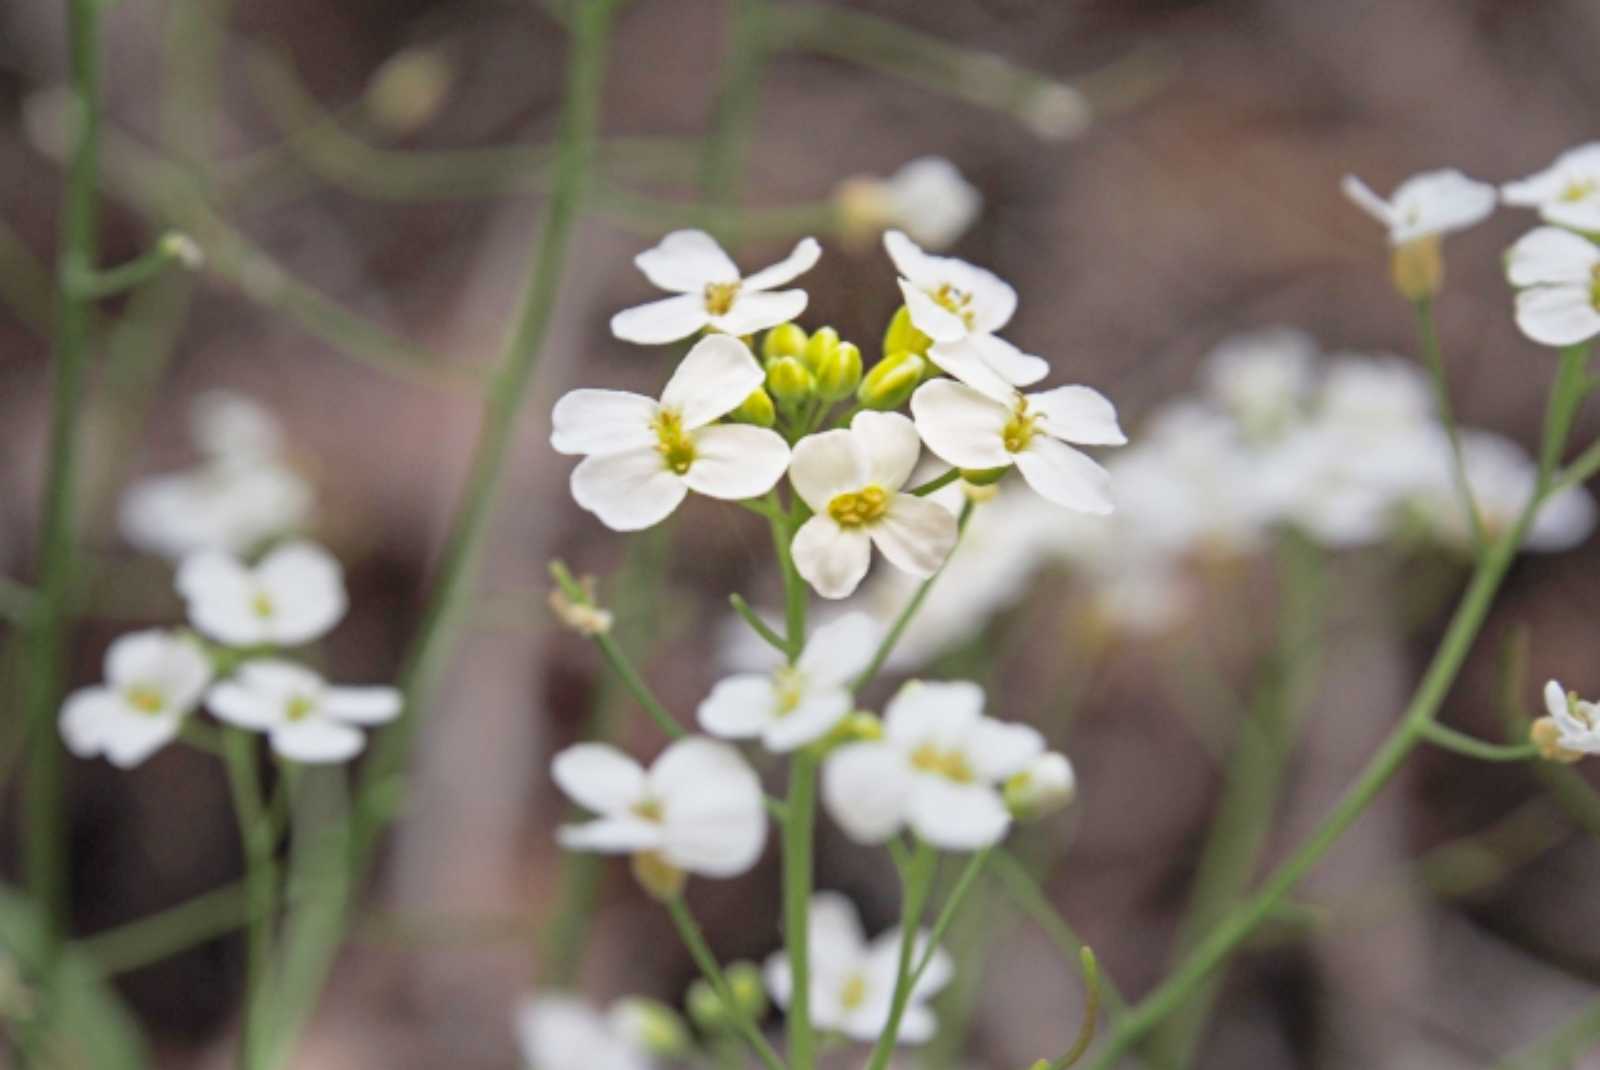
[(1209, 208)]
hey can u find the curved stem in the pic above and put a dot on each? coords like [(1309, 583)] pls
[(757, 625), (695, 941), (1025, 892), (1471, 747), (794, 588), (937, 482)]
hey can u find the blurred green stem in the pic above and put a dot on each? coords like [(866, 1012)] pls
[(1428, 339), (734, 112), (1031, 899), (166, 933), (799, 828), (255, 835), (916, 885), (695, 941)]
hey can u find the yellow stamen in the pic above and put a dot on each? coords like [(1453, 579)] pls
[(261, 605), (1020, 429), (855, 509), (675, 445), (790, 685), (1579, 188), (950, 764), (649, 809), (144, 698), (955, 301), (854, 993), (719, 297), (299, 708)]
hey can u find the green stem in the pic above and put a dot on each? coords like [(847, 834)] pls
[(171, 249), (757, 625), (695, 941), (952, 906), (916, 884), (901, 622), (798, 834), (1025, 892), (162, 935), (1428, 339), (794, 588), (45, 837), (936, 483), (255, 834), (1471, 747)]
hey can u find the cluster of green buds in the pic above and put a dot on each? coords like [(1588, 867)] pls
[(802, 368), (712, 1016)]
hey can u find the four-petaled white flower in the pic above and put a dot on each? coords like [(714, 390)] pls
[(852, 481), (1567, 193), (294, 595), (936, 770), (711, 292), (1577, 721), (797, 704), (565, 1033), (305, 719), (927, 198), (971, 430), (153, 679), (1558, 276), (1431, 204), (852, 980), (643, 456), (698, 809), (960, 306)]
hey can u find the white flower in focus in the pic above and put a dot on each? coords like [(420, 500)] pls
[(971, 430), (852, 481), (294, 595), (936, 770), (153, 679), (927, 198), (698, 809), (1263, 378), (642, 457), (797, 704), (305, 719), (1431, 204), (852, 980), (564, 1033), (1567, 193), (1557, 274), (960, 306), (1577, 722), (711, 292)]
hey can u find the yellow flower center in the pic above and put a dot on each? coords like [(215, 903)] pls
[(790, 685), (1020, 429), (648, 809), (854, 993), (855, 509), (299, 708), (1579, 188), (262, 605), (950, 764), (675, 445), (956, 301), (145, 698), (719, 297)]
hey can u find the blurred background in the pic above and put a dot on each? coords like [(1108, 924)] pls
[(353, 293)]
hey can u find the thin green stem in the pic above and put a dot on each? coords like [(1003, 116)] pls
[(1428, 339), (1471, 747), (166, 933), (171, 249), (936, 483), (734, 113), (255, 834), (916, 885), (903, 621), (1091, 1015), (1025, 892), (952, 906), (757, 625), (695, 941), (794, 588), (798, 833)]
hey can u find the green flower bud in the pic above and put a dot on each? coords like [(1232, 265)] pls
[(756, 409), (821, 346), (891, 381), (749, 991), (706, 1009), (985, 477), (784, 340), (840, 372), (652, 1026), (790, 381), (902, 337)]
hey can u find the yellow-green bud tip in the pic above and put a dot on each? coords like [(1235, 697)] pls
[(784, 340)]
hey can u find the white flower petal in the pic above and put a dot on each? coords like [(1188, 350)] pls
[(713, 380), (362, 705), (714, 819), (602, 421), (889, 445), (866, 788), (740, 707), (828, 464), (998, 749), (930, 317), (835, 935), (965, 359), (932, 201), (1581, 214), (244, 707), (599, 777), (315, 740), (622, 835), (736, 461), (1555, 699), (957, 817), (753, 312), (1364, 198), (1063, 475), (1078, 414), (831, 558), (802, 259), (942, 712), (305, 587), (910, 261), (961, 426), (628, 491), (916, 535), (1439, 202), (96, 721), (685, 261), (840, 649), (808, 722), (1550, 255), (1558, 315), (670, 319), (218, 590)]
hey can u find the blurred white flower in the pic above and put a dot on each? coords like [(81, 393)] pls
[(153, 679), (294, 595), (711, 293), (1503, 478), (1044, 787), (1263, 378), (227, 426), (852, 980), (1577, 722), (927, 198), (699, 808), (1567, 193), (799, 704), (973, 431), (1557, 274), (566, 1033), (1430, 204), (852, 481), (936, 770), (642, 457), (305, 719)]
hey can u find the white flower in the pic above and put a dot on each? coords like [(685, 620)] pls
[(227, 426), (1503, 479), (642, 457), (712, 295), (153, 680), (294, 595), (852, 481), (971, 430), (1578, 721), (927, 198), (1045, 786), (960, 306), (1557, 274), (1431, 204), (305, 719), (797, 704), (564, 1033), (1263, 378), (699, 807), (1567, 193), (852, 981), (935, 770)]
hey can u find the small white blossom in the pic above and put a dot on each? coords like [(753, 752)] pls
[(936, 770), (1503, 478), (1263, 378), (971, 430), (795, 705), (927, 198), (565, 1033), (852, 480), (642, 457), (1431, 204), (294, 595), (711, 293), (1557, 274), (227, 426), (153, 679), (699, 808), (852, 980), (1567, 193), (1577, 721), (305, 719), (1042, 788)]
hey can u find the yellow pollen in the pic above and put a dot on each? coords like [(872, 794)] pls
[(144, 698), (950, 764), (719, 297), (855, 509), (675, 445), (649, 809), (1579, 188), (299, 708), (956, 301), (854, 993), (261, 605), (790, 685), (1020, 429)]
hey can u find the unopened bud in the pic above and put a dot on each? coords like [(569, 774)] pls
[(1043, 788), (891, 381), (1417, 268), (784, 340), (903, 336), (978, 493), (659, 877), (651, 1026), (790, 382), (859, 727), (706, 1009), (748, 990), (840, 372), (756, 409), (581, 615), (409, 89), (819, 347), (1546, 736)]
